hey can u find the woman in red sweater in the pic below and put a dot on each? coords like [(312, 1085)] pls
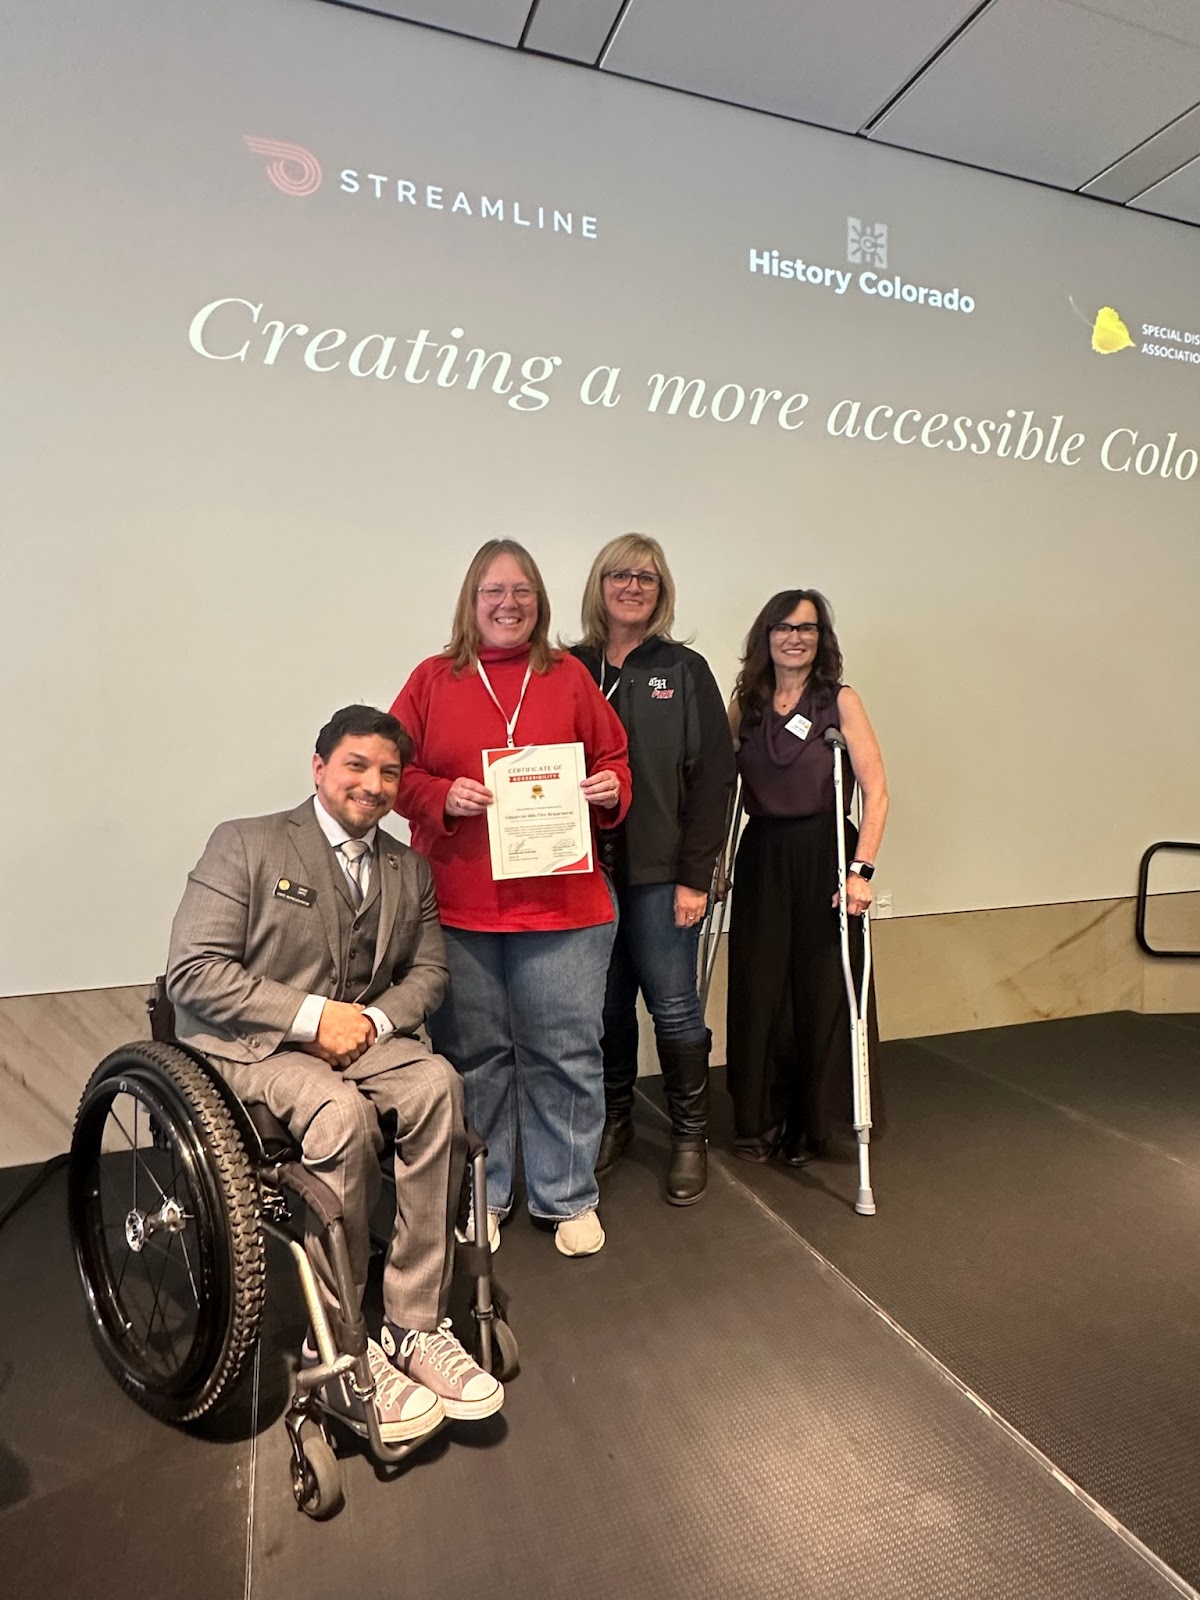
[(528, 956)]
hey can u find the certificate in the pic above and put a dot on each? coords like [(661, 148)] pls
[(538, 822)]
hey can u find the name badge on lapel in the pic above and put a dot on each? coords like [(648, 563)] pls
[(799, 726), (298, 893)]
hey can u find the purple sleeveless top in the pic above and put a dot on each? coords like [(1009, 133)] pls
[(786, 776)]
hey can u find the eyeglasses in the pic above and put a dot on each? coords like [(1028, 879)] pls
[(492, 592), (806, 630), (622, 579)]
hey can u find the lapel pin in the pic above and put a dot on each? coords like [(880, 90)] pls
[(393, 861)]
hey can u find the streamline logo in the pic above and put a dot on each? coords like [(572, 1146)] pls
[(295, 170), (290, 167), (865, 243)]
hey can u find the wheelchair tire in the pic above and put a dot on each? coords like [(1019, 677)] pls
[(506, 1355), (165, 1225), (318, 1488)]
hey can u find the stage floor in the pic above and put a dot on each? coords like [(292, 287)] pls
[(988, 1389)]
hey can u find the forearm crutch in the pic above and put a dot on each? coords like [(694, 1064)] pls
[(857, 1000), (717, 911)]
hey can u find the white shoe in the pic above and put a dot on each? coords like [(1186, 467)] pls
[(580, 1236), (467, 1235)]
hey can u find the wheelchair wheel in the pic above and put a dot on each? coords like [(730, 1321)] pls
[(317, 1484), (506, 1357), (164, 1215)]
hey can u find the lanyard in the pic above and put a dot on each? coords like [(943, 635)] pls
[(510, 723), (614, 685)]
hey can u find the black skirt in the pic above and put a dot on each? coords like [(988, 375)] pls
[(788, 1022)]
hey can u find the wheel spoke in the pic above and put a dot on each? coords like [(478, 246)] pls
[(124, 1264), (137, 1155), (154, 1305), (191, 1274)]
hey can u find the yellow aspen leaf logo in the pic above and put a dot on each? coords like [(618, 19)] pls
[(1109, 333)]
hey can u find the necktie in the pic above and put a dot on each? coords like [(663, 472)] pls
[(353, 852)]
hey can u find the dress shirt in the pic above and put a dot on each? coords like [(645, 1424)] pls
[(307, 1019)]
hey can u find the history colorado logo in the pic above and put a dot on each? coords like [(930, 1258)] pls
[(866, 247)]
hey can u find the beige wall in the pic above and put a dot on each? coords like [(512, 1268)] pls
[(936, 974), (986, 969), (983, 969)]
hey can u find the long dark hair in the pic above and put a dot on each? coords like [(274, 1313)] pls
[(756, 681)]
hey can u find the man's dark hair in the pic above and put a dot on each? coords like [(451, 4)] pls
[(357, 722)]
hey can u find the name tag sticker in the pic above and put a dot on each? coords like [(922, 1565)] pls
[(298, 893), (799, 726)]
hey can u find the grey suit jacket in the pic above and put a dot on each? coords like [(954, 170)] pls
[(244, 955)]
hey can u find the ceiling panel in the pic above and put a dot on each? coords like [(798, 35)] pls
[(573, 29), (1100, 96), (1177, 196), (501, 21), (1055, 90), (832, 62), (1169, 150), (1177, 20)]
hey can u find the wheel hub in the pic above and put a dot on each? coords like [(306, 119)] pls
[(139, 1225)]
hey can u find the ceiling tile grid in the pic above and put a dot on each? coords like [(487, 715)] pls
[(832, 62), (576, 30), (1177, 196), (1046, 89), (496, 21), (1096, 96)]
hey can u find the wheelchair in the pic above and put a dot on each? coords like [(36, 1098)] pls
[(173, 1186)]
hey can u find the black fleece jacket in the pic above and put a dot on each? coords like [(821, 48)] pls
[(681, 754)]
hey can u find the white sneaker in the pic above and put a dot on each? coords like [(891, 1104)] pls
[(467, 1235), (580, 1236)]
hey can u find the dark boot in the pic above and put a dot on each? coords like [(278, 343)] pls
[(685, 1080), (620, 1051)]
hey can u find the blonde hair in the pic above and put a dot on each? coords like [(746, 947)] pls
[(617, 554), (465, 638)]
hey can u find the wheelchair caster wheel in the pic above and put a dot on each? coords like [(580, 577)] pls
[(317, 1481), (506, 1356)]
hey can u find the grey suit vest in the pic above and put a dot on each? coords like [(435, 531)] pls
[(358, 935)]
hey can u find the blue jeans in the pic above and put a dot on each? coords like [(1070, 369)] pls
[(653, 955), (521, 1022)]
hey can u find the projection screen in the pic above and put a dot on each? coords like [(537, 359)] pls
[(303, 304)]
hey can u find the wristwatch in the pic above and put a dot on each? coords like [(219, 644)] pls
[(864, 869)]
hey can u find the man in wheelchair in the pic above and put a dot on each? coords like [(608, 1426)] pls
[(304, 957)]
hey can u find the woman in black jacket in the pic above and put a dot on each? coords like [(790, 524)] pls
[(662, 857)]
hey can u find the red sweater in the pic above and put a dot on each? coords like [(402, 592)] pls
[(451, 720)]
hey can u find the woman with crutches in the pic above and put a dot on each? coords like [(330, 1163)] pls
[(788, 1030)]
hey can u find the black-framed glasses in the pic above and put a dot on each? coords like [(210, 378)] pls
[(806, 630), (623, 578)]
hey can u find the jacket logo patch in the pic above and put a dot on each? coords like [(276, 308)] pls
[(659, 690)]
